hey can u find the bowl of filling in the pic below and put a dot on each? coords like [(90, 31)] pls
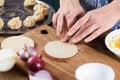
[(112, 41)]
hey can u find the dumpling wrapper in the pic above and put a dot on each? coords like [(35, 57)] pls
[(17, 42), (59, 49)]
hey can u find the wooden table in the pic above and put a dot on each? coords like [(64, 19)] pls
[(97, 44)]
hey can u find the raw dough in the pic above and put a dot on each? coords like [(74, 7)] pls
[(28, 3), (38, 6), (29, 22), (38, 16), (17, 42), (2, 2), (14, 23), (58, 49), (1, 23), (43, 11)]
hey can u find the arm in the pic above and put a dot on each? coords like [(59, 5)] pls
[(95, 22)]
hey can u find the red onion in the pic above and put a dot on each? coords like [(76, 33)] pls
[(41, 75), (35, 63), (32, 51), (23, 54), (27, 52)]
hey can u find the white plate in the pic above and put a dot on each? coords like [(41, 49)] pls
[(94, 71)]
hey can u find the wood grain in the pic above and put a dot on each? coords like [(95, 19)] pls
[(65, 69)]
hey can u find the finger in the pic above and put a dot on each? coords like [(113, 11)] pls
[(94, 34), (88, 24), (81, 35), (60, 23), (78, 24), (72, 18), (65, 38), (54, 19), (64, 29)]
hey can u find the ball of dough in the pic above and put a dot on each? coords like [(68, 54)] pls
[(29, 22), (38, 16), (28, 3), (38, 6), (1, 23), (44, 11), (2, 2), (14, 23)]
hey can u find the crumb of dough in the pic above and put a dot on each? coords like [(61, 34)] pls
[(28, 3), (39, 6), (1, 23), (14, 23), (29, 22)]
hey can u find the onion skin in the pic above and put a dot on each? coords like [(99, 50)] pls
[(27, 52), (32, 51), (40, 75), (24, 55), (35, 63)]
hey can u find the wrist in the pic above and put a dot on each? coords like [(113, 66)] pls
[(116, 6)]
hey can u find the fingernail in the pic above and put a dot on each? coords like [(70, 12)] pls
[(70, 42), (73, 41), (63, 40)]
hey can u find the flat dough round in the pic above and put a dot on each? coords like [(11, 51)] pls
[(17, 42), (59, 49)]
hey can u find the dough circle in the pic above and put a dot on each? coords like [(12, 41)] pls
[(17, 42), (59, 49)]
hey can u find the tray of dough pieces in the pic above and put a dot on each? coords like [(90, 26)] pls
[(20, 10)]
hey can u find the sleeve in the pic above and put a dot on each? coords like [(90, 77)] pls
[(94, 4), (116, 26)]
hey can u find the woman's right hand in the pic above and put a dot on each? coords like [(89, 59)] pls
[(65, 17)]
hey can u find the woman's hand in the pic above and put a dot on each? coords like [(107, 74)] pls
[(94, 23), (63, 19)]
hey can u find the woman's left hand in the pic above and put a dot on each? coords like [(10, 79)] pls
[(94, 23)]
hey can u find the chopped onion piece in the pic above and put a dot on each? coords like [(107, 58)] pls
[(41, 75)]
